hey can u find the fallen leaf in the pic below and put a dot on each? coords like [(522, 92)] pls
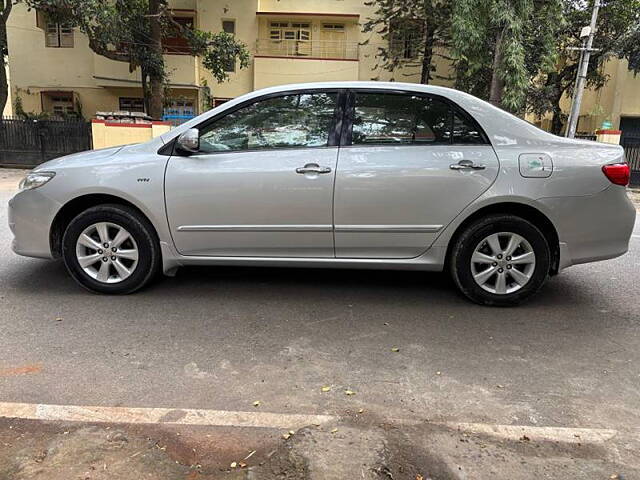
[(438, 373), (326, 389), (233, 465), (524, 438), (58, 319), (419, 477), (334, 430), (256, 403), (349, 392), (291, 432), (361, 410), (286, 436), (395, 349), (500, 386), (242, 464)]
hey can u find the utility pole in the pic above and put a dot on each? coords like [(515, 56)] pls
[(587, 33)]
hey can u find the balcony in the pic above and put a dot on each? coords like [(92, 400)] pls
[(309, 49)]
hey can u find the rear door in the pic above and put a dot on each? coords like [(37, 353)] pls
[(408, 165)]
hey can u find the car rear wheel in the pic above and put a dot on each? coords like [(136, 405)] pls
[(111, 249), (500, 260)]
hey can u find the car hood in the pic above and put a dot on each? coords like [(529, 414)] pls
[(79, 158)]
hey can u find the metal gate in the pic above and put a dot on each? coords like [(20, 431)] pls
[(631, 147), (27, 143)]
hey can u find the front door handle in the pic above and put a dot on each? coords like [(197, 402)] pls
[(466, 165), (313, 168)]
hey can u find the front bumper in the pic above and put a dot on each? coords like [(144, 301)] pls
[(31, 214), (594, 227)]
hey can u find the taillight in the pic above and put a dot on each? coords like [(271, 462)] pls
[(618, 173)]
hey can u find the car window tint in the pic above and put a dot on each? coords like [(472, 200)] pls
[(381, 118), (466, 131), (281, 122)]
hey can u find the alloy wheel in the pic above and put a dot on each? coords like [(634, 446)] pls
[(107, 252), (503, 263)]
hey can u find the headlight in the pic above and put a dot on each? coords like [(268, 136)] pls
[(35, 180)]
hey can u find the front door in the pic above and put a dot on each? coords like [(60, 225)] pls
[(412, 164), (262, 183)]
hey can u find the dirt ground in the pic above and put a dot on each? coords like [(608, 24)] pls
[(358, 446)]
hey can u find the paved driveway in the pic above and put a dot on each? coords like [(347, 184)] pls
[(224, 338)]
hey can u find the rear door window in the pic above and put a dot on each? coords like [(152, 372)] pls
[(407, 119)]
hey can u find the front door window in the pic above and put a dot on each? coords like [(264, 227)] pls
[(290, 121)]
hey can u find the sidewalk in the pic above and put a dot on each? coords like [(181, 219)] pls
[(634, 194)]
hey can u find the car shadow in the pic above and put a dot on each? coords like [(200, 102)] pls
[(427, 288)]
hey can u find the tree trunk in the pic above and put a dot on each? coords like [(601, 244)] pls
[(4, 85), (497, 83), (427, 56), (4, 51), (146, 94), (156, 77)]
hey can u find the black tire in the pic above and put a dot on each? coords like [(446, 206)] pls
[(464, 245), (143, 233)]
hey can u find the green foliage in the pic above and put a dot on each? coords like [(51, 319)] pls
[(413, 32), (501, 45), (616, 35), (123, 30), (630, 49)]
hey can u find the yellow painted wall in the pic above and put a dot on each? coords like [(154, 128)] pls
[(271, 71), (210, 17), (111, 135)]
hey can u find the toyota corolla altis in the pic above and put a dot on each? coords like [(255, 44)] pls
[(340, 175)]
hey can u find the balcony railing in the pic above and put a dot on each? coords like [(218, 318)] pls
[(313, 49)]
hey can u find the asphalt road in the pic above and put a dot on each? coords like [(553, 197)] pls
[(222, 338)]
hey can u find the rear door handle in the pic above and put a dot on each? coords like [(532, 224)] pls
[(313, 168), (466, 165)]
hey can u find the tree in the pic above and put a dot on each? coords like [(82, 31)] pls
[(630, 48), (617, 34), (500, 45), (133, 31), (412, 32), (5, 11)]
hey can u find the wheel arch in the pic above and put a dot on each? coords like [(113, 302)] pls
[(77, 205), (522, 210)]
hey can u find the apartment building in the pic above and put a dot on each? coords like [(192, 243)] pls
[(53, 70)]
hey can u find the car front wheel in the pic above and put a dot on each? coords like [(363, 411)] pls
[(111, 249), (500, 260)]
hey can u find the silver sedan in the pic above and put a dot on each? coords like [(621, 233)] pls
[(340, 175)]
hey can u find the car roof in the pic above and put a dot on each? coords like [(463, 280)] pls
[(503, 128)]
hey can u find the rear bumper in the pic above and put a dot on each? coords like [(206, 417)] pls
[(594, 227), (31, 214)]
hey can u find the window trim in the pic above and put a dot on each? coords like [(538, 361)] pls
[(230, 68), (59, 34), (346, 136), (335, 127), (120, 100)]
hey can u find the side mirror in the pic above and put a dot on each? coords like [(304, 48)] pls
[(189, 142)]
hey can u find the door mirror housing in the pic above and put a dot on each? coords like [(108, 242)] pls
[(188, 142)]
